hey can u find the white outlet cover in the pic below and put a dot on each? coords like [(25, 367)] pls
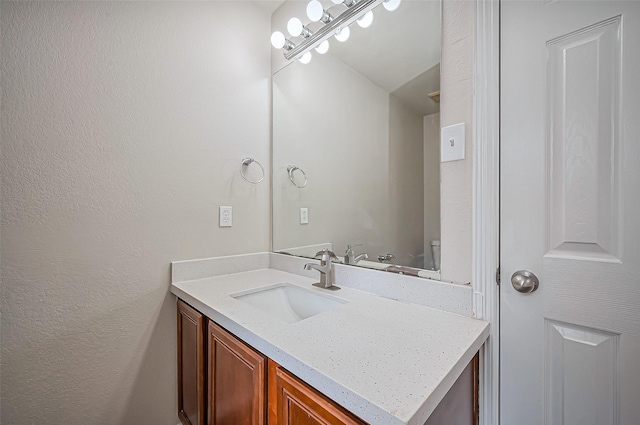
[(304, 215), (452, 143), (226, 216)]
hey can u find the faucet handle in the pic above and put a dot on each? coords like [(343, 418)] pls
[(350, 247), (329, 254), (383, 258)]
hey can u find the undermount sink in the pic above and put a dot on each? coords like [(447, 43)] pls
[(289, 303)]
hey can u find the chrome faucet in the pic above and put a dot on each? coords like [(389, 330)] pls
[(383, 258), (350, 255), (326, 270)]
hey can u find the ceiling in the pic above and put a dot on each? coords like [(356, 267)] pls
[(269, 5), (397, 47), (399, 52)]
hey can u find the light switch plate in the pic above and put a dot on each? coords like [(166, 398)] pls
[(304, 215), (452, 143), (226, 216)]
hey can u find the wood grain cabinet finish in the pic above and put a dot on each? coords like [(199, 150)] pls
[(191, 365), (236, 380), (293, 402), (223, 381)]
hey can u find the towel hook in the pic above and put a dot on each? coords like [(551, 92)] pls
[(245, 163), (290, 170)]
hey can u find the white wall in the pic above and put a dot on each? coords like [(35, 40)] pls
[(123, 127), (406, 185), (458, 24), (345, 155), (431, 184), (361, 150)]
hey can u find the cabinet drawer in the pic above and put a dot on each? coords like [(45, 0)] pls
[(293, 402)]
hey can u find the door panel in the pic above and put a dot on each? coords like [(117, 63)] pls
[(583, 358), (584, 142), (570, 195)]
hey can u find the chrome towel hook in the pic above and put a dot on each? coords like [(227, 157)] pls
[(290, 170), (245, 163)]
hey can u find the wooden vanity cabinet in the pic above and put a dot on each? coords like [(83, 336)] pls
[(223, 381), (236, 380), (293, 402), (191, 365)]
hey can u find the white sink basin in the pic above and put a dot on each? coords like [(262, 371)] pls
[(289, 303)]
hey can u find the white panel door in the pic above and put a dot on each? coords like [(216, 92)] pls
[(570, 212)]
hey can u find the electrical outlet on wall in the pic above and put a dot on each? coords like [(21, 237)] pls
[(304, 215), (226, 216), (452, 143)]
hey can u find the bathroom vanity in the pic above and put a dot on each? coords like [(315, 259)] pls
[(358, 358), (237, 384)]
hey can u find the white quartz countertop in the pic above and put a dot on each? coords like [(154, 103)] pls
[(388, 362)]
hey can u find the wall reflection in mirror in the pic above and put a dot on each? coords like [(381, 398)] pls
[(356, 145)]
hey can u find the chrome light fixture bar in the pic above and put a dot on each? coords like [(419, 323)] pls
[(343, 20)]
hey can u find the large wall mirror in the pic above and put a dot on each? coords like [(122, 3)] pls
[(356, 158)]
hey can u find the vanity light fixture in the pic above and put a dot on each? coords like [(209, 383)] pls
[(323, 47), (294, 26), (391, 5), (296, 29), (278, 40), (342, 34), (316, 12), (306, 58), (332, 23), (347, 3), (366, 20)]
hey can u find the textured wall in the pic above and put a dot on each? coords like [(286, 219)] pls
[(345, 155), (123, 127), (406, 185), (431, 183), (363, 162), (458, 25)]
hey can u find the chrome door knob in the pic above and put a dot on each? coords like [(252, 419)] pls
[(524, 281)]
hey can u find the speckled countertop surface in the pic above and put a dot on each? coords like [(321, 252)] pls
[(388, 362)]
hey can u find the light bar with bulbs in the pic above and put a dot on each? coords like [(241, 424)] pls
[(338, 26)]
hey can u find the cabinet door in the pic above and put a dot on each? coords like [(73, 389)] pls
[(237, 381), (292, 402), (191, 365)]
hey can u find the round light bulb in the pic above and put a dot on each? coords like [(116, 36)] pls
[(366, 20), (391, 5), (315, 10), (277, 40), (343, 34), (323, 47), (306, 58), (336, 1), (294, 26)]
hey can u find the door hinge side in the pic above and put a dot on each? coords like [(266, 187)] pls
[(498, 276)]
